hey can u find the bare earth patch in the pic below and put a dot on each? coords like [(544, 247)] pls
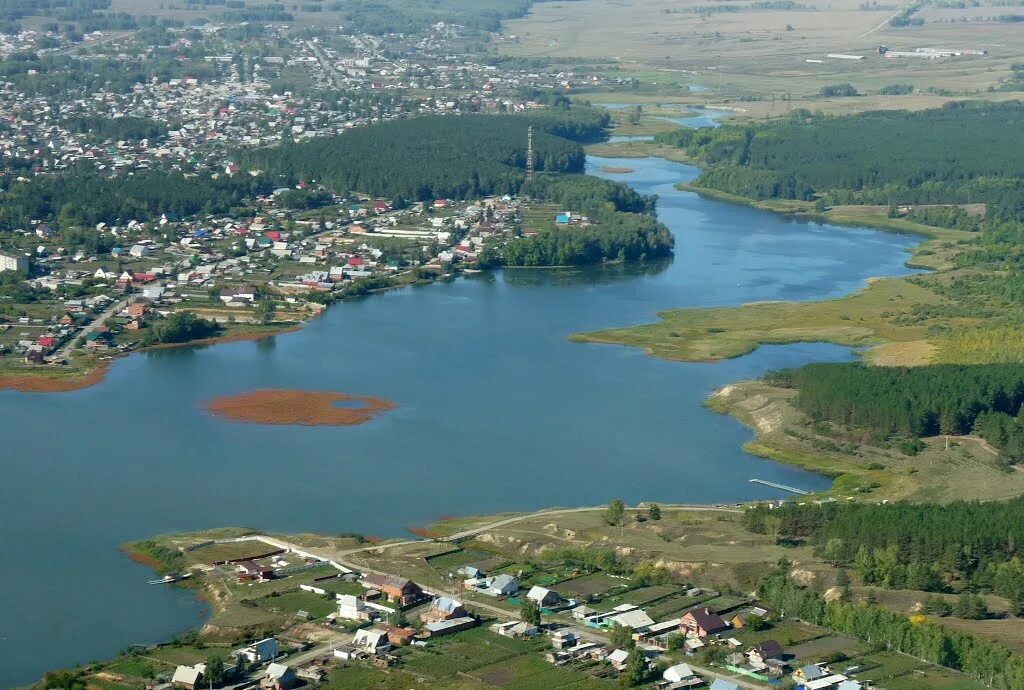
[(42, 383), (912, 354), (308, 408)]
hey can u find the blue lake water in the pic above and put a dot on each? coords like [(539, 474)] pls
[(693, 117), (497, 411)]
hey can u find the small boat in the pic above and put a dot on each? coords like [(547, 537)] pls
[(169, 578)]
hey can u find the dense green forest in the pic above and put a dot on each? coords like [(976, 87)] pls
[(83, 15), (455, 157), (624, 227), (901, 402), (588, 194), (93, 197), (410, 16), (960, 546), (614, 237), (960, 153), (116, 128), (991, 663), (417, 158), (181, 327)]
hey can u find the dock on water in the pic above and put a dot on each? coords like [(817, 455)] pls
[(783, 487)]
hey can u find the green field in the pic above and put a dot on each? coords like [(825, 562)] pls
[(316, 605), (589, 585)]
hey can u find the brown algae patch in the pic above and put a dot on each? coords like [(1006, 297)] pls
[(307, 408)]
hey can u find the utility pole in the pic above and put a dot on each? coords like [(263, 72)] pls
[(529, 154)]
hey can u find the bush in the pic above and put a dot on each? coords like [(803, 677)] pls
[(839, 91)]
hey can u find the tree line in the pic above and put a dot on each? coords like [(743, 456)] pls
[(84, 196), (909, 402), (989, 662), (614, 237), (181, 327), (962, 546), (431, 157), (870, 158)]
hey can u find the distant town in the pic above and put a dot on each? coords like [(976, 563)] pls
[(89, 293)]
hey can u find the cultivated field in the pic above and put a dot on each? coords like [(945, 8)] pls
[(745, 51)]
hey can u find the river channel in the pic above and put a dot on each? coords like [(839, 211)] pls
[(497, 411)]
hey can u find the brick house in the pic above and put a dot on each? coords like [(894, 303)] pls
[(395, 588), (701, 623)]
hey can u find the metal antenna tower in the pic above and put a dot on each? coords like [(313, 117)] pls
[(529, 153)]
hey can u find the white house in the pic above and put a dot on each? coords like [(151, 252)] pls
[(266, 649), (503, 585), (372, 640), (188, 677), (543, 597), (563, 639), (516, 629), (633, 617), (618, 658), (279, 677), (139, 251), (352, 608), (678, 673)]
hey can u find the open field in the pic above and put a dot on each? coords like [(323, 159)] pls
[(589, 586), (295, 601), (710, 547), (694, 335), (965, 471), (751, 52)]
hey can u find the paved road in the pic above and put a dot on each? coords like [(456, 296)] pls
[(325, 64), (886, 20), (90, 44), (529, 516), (100, 320)]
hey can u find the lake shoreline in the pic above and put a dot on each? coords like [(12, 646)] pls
[(534, 347)]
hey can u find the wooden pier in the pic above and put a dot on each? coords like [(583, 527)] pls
[(783, 487)]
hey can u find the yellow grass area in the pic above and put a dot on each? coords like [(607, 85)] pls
[(914, 353), (638, 149), (651, 119), (981, 345), (966, 470), (865, 318), (708, 546)]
